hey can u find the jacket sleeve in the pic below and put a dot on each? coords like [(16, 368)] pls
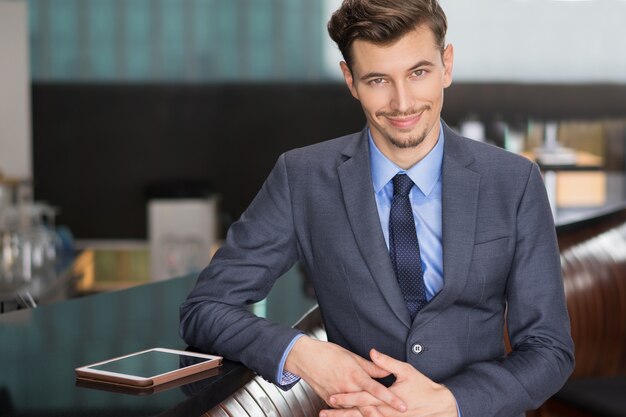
[(538, 324), (259, 248)]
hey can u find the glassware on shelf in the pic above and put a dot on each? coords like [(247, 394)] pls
[(29, 247), (515, 136), (11, 250)]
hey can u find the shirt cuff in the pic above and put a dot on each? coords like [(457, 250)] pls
[(284, 377)]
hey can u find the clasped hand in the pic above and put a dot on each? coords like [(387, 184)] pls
[(345, 381)]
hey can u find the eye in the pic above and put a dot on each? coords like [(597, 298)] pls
[(377, 81), (419, 73)]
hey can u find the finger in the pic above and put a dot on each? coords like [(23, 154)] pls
[(394, 366), (384, 394), (349, 412), (372, 369), (387, 411), (354, 399), (370, 412)]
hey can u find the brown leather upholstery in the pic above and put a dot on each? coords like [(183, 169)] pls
[(593, 257)]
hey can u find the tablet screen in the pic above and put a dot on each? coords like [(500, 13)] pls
[(149, 364)]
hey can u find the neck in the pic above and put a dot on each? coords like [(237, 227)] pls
[(405, 158)]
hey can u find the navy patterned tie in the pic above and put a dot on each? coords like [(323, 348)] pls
[(404, 247)]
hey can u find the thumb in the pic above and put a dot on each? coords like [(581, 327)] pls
[(389, 364)]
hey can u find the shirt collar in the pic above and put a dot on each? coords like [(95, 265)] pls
[(424, 174)]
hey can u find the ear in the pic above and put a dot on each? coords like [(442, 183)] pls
[(347, 76), (448, 63)]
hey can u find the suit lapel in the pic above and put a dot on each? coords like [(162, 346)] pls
[(356, 184), (460, 186)]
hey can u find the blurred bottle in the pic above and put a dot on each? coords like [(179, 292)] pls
[(473, 128), (515, 135), (30, 248)]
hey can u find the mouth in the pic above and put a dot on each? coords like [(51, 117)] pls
[(405, 122)]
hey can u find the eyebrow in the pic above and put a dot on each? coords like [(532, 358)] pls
[(422, 63)]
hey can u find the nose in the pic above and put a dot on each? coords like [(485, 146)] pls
[(402, 99)]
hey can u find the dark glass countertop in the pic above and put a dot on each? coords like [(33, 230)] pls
[(41, 347)]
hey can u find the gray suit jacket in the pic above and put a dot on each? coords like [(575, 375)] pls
[(500, 259)]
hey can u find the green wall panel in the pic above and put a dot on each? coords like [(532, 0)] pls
[(176, 40)]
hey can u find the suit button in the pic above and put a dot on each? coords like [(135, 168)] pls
[(417, 348)]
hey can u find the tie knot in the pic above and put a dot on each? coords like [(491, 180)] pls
[(402, 185)]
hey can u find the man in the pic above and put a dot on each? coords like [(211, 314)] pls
[(419, 244)]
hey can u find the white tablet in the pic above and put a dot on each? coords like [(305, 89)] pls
[(149, 367)]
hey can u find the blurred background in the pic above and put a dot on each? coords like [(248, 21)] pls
[(134, 132), (145, 127)]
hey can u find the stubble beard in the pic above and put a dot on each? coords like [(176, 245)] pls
[(409, 142), (405, 143)]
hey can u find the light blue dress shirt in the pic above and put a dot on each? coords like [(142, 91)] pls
[(425, 199)]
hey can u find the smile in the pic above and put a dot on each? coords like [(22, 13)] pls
[(405, 122)]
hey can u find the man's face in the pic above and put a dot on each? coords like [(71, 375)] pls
[(400, 87)]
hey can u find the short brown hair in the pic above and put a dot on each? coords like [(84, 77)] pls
[(384, 21)]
